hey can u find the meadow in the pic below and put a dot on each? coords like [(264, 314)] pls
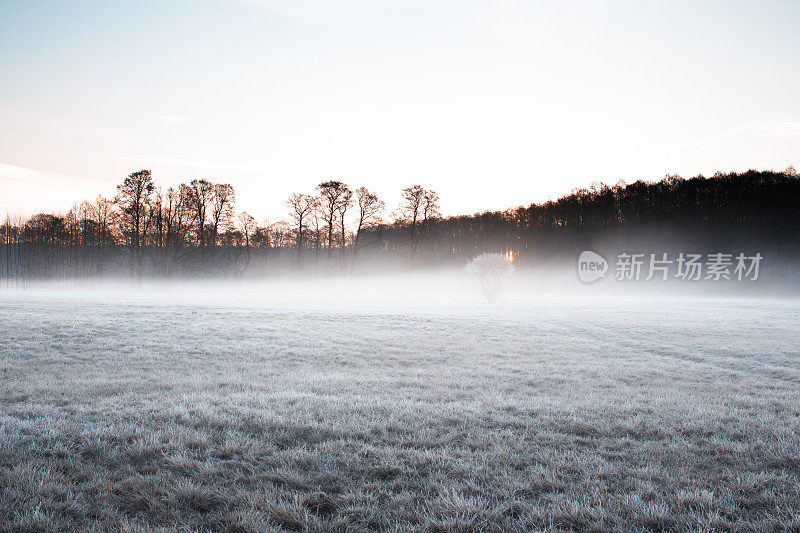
[(142, 411)]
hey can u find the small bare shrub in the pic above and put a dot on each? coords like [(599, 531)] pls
[(490, 269)]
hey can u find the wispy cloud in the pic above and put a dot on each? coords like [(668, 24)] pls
[(175, 119), (13, 173), (786, 128), (774, 128)]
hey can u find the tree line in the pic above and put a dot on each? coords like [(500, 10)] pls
[(194, 229)]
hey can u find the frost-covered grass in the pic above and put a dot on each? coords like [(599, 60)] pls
[(140, 413)]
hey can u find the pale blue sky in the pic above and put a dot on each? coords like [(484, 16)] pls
[(492, 103)]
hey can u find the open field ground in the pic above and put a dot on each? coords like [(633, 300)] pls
[(193, 413)]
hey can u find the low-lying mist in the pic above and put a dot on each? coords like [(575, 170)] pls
[(445, 290)]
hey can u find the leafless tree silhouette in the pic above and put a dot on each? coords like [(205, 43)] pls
[(200, 195), (369, 209), (331, 194), (222, 209), (301, 206), (417, 207), (133, 197)]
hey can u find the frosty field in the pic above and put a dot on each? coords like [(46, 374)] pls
[(259, 414)]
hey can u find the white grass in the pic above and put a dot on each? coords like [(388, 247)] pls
[(257, 413)]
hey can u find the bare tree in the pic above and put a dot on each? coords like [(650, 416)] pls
[(103, 211), (158, 224), (175, 221), (222, 209), (83, 229), (417, 207), (369, 209), (199, 195), (411, 205), (430, 206), (279, 233), (248, 226), (260, 236), (85, 218), (331, 194), (491, 270), (133, 198), (316, 215), (300, 207), (8, 233), (345, 202)]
